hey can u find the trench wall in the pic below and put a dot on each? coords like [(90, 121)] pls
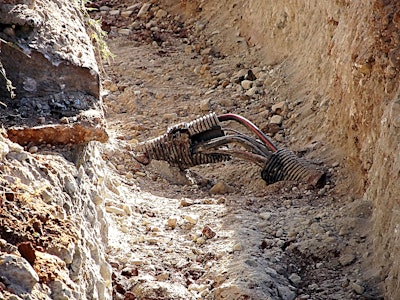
[(341, 58)]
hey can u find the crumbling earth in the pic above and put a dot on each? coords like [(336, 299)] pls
[(217, 231)]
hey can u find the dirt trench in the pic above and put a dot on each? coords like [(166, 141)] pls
[(318, 78), (176, 63)]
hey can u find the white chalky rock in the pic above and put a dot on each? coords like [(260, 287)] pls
[(192, 219), (17, 272)]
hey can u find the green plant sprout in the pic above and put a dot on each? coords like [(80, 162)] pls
[(9, 86), (96, 33)]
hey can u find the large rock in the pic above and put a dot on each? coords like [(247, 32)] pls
[(49, 71), (17, 273)]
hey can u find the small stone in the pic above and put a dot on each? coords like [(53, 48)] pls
[(280, 243), (280, 108), (221, 188), (279, 232), (347, 259), (124, 31), (265, 215), (221, 200), (186, 202), (208, 232), (161, 14), (64, 120), (127, 209), (143, 10), (124, 229), (126, 13), (295, 279), (252, 91), (225, 83), (42, 120), (115, 210), (33, 149), (152, 241), (322, 192), (285, 292), (200, 240), (105, 8), (162, 277), (357, 288), (205, 104), (237, 247), (197, 287), (115, 12), (256, 70), (246, 84), (268, 81), (287, 203), (276, 119), (171, 173), (17, 273), (120, 167), (192, 219), (171, 222), (222, 76)]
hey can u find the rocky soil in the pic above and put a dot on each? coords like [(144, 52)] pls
[(83, 220), (218, 231)]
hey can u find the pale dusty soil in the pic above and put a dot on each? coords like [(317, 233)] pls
[(166, 74)]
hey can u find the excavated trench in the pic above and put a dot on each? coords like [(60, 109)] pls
[(233, 215)]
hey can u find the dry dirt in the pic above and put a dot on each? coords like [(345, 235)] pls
[(282, 241)]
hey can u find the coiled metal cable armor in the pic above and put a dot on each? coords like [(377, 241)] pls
[(285, 165), (175, 146)]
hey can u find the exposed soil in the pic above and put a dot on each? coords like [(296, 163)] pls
[(279, 241)]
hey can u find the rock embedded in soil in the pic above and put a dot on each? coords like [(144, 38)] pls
[(295, 279), (172, 222), (208, 232), (347, 259), (192, 219), (237, 247), (276, 120), (17, 273), (221, 188), (357, 288), (280, 108), (144, 10), (246, 84)]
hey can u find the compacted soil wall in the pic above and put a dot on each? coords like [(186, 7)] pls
[(342, 61)]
